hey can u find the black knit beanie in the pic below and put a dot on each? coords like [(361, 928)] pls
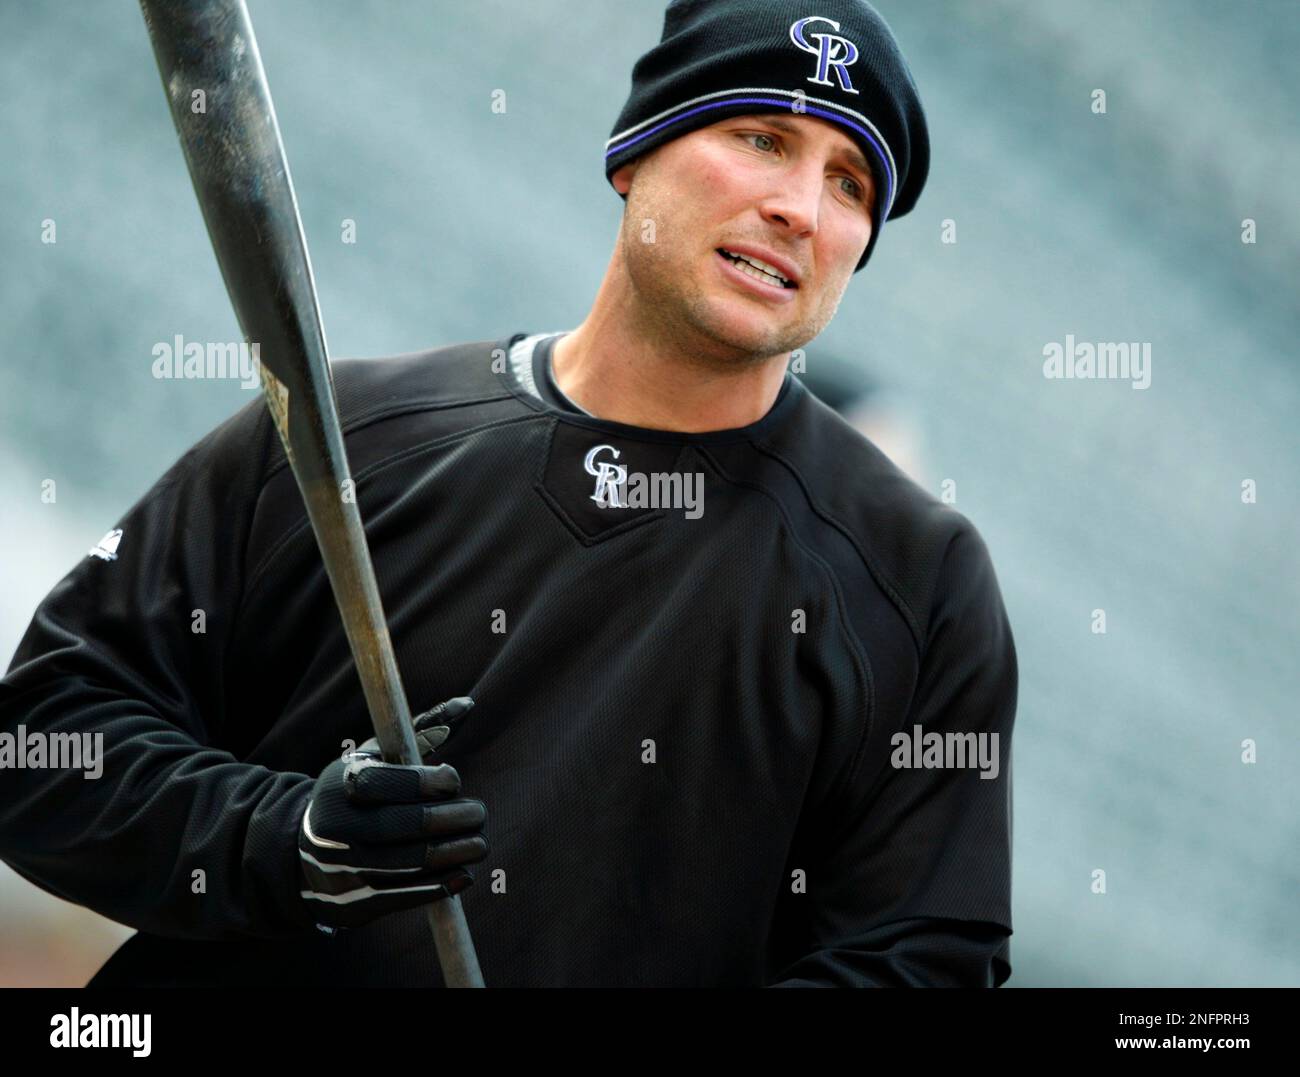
[(834, 59)]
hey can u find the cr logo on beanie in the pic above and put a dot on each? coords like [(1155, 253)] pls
[(839, 62)]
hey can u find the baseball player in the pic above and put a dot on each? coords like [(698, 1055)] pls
[(701, 650)]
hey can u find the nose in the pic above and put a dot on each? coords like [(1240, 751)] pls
[(796, 200)]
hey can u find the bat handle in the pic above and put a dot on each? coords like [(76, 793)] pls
[(459, 962)]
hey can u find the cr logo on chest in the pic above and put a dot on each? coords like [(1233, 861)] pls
[(611, 478)]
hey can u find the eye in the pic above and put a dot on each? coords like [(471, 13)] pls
[(857, 193), (759, 134)]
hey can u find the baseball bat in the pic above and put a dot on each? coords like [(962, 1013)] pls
[(220, 102)]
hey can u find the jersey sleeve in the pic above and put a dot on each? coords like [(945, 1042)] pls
[(914, 884), (121, 673)]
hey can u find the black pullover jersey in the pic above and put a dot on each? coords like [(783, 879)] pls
[(685, 716)]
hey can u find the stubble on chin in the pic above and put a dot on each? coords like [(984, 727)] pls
[(672, 304)]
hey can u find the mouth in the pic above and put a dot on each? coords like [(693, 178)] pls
[(758, 270)]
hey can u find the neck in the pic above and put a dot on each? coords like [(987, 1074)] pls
[(622, 365)]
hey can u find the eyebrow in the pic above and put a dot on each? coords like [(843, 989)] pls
[(852, 156)]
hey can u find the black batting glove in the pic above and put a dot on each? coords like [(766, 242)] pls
[(379, 837)]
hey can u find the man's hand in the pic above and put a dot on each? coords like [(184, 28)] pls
[(378, 837)]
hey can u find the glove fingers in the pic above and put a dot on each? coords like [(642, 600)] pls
[(452, 817), (456, 853), (428, 740), (338, 829), (447, 711), (438, 857), (367, 781), (431, 739), (379, 864), (431, 728)]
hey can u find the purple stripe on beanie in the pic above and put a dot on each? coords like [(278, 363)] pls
[(835, 116)]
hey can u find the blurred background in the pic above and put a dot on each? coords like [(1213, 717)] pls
[(1125, 225)]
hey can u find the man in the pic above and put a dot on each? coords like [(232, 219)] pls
[(680, 611)]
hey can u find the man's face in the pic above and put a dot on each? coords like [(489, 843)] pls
[(791, 190)]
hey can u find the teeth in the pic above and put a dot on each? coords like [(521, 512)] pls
[(764, 272)]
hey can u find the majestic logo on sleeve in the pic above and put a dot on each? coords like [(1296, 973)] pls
[(831, 50), (106, 548), (610, 478)]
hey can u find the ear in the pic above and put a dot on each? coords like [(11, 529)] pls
[(622, 179)]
